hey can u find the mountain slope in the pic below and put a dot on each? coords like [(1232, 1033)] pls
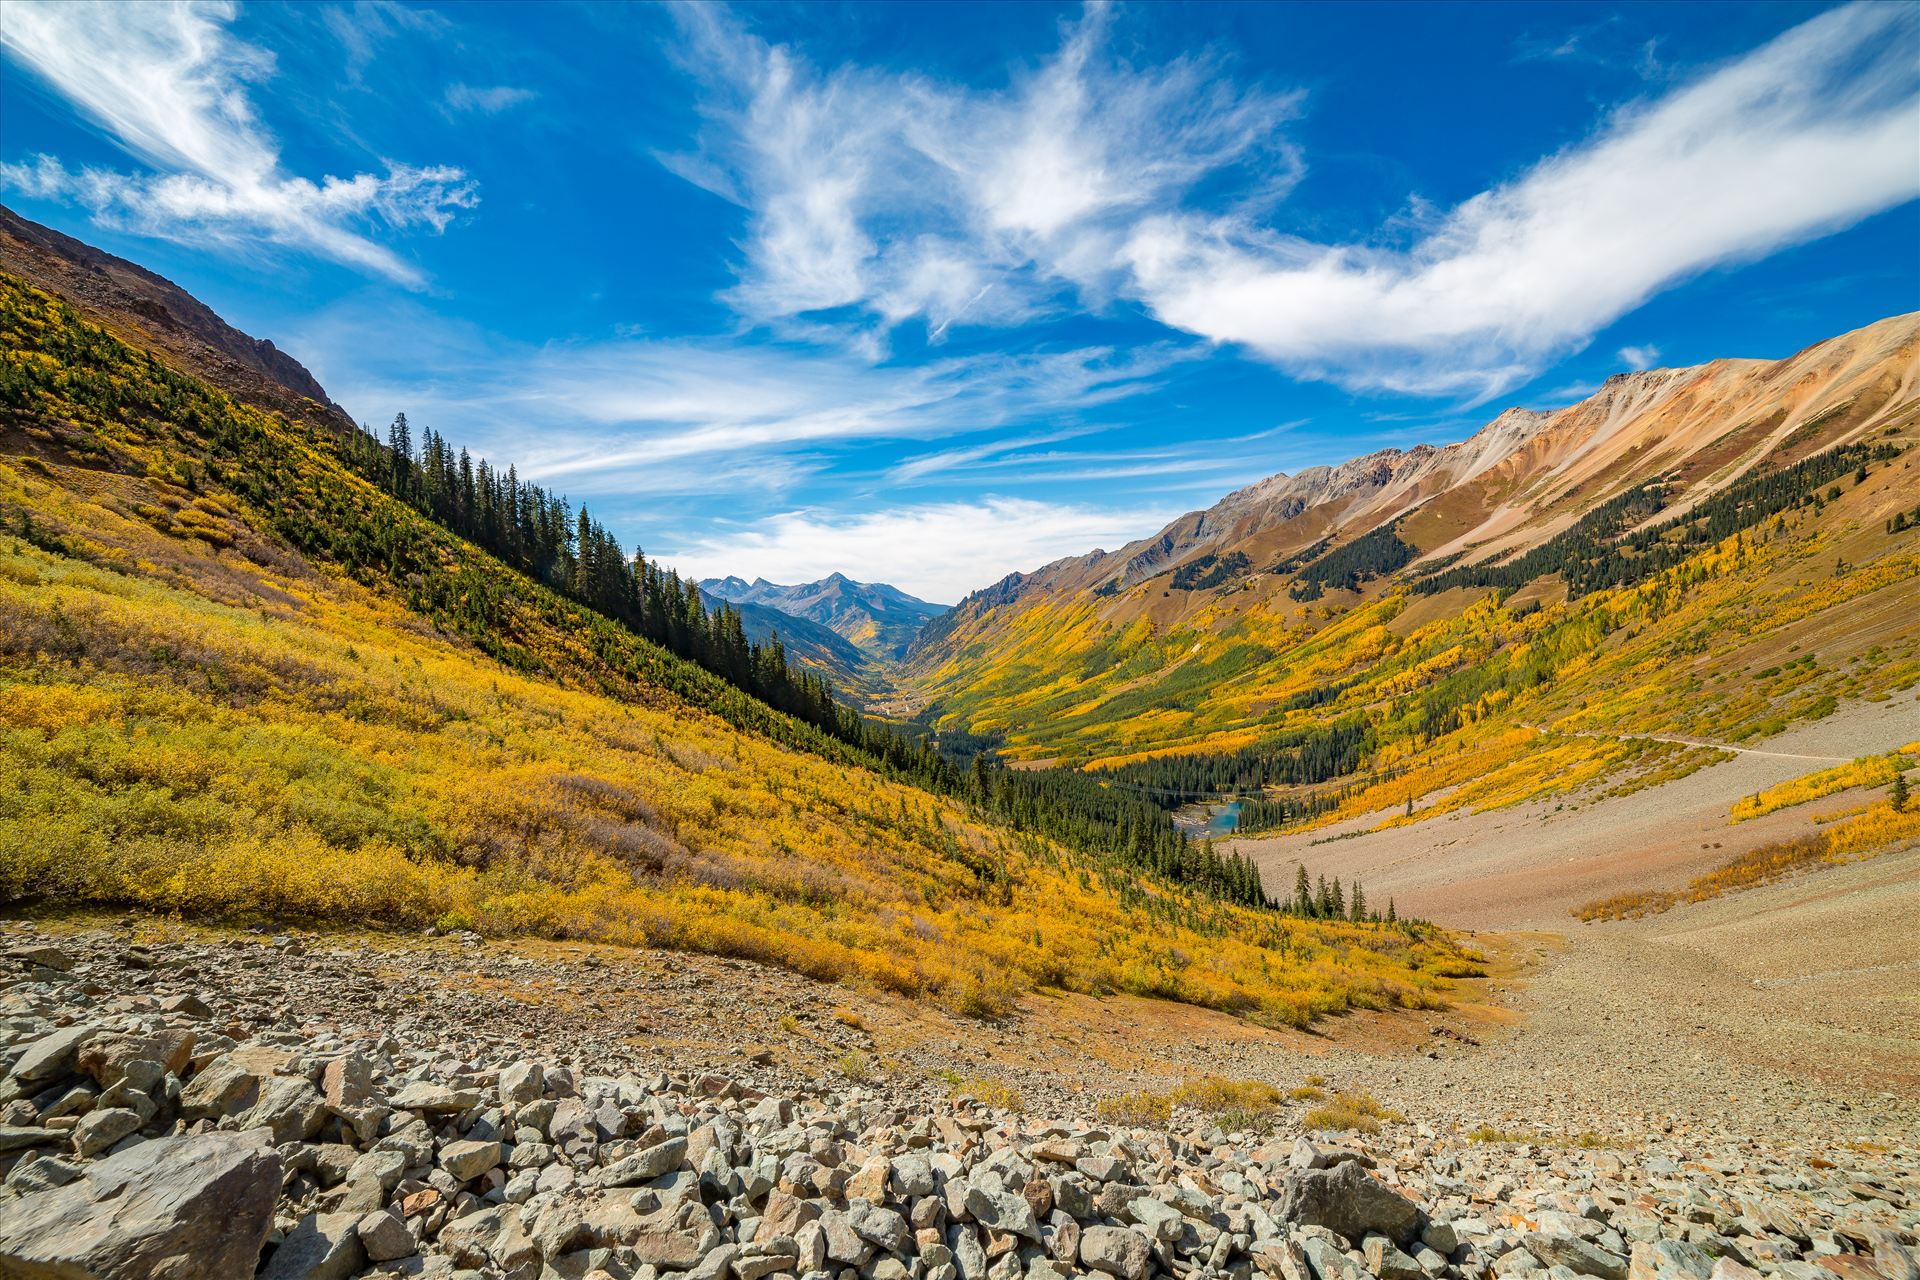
[(1710, 552), (880, 620), (237, 677), (1526, 475), (152, 312), (809, 643)]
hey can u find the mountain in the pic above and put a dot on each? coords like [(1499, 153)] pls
[(850, 669), (1713, 552), (880, 620), (255, 664), (152, 312)]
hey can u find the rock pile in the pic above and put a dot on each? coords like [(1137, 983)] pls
[(145, 1137)]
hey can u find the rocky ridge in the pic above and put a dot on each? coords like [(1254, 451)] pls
[(158, 1119)]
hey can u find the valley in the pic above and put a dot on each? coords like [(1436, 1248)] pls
[(395, 785), (1061, 641)]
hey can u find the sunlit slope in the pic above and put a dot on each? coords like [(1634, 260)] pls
[(393, 727), (1781, 573)]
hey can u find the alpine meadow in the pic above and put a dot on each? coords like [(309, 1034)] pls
[(893, 642)]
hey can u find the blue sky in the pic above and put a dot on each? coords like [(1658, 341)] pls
[(927, 293)]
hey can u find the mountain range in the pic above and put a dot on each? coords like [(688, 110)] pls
[(1392, 576), (880, 620)]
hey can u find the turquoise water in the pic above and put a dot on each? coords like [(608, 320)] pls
[(1202, 820)]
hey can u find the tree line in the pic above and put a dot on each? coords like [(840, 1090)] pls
[(1292, 758), (1373, 554), (1209, 570), (1324, 901), (538, 533)]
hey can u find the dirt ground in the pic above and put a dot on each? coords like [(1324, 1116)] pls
[(1526, 867)]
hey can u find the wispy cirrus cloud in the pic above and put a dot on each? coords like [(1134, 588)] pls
[(169, 83), (904, 198), (1605, 43), (609, 415), (888, 197), (489, 100)]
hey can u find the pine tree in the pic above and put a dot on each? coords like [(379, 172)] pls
[(1393, 917), (1899, 793), (1358, 910), (1302, 890), (400, 445)]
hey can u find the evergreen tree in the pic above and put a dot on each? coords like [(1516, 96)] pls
[(1358, 909), (400, 445), (538, 534), (1899, 793), (1302, 890), (1393, 917)]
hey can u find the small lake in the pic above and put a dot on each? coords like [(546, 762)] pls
[(1203, 820)]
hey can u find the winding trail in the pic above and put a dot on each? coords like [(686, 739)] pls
[(1691, 742)]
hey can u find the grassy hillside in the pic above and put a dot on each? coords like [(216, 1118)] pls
[(1370, 684), (238, 678)]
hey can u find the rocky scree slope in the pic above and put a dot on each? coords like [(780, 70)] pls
[(158, 1120)]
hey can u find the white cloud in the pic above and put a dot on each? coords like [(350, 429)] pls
[(488, 101), (169, 83), (1641, 357), (923, 465), (937, 551), (898, 198), (909, 199), (364, 25), (1808, 134)]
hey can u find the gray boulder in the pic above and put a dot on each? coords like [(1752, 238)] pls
[(1348, 1201), (325, 1246), (1116, 1251), (190, 1208), (52, 1056), (1576, 1255)]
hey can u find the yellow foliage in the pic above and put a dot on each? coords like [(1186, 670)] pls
[(1868, 771), (1143, 1110), (203, 731), (1349, 1112)]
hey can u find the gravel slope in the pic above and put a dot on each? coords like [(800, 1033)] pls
[(1525, 867)]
